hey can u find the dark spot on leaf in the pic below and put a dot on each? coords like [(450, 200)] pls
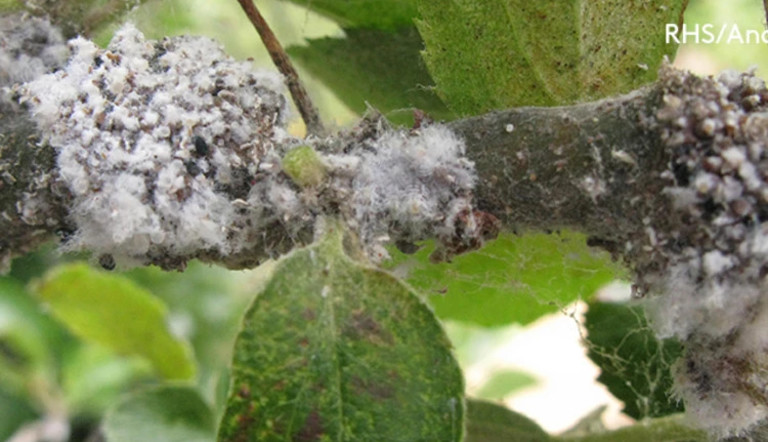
[(244, 424), (312, 429), (364, 326), (244, 391), (374, 389)]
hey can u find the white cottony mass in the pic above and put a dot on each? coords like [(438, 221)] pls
[(148, 133)]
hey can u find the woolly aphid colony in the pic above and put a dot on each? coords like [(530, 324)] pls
[(707, 258), (30, 50), (170, 148)]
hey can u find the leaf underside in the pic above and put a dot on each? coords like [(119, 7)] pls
[(493, 54), (489, 422), (512, 280), (634, 365), (377, 68), (334, 350)]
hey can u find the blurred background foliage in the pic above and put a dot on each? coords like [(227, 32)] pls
[(484, 297)]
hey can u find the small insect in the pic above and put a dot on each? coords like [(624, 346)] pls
[(192, 168), (107, 261), (420, 118), (201, 147)]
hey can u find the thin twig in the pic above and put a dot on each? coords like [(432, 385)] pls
[(99, 15), (306, 108), (765, 7)]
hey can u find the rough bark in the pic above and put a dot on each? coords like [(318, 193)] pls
[(26, 169), (585, 166), (593, 167)]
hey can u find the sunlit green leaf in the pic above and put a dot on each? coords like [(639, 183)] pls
[(515, 279), (377, 68), (167, 414), (371, 14), (489, 422), (113, 311), (634, 365), (207, 304), (335, 350), (504, 382), (492, 54)]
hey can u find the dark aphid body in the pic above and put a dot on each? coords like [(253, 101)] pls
[(201, 147)]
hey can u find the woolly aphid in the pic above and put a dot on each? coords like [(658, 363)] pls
[(171, 149), (705, 260), (129, 124), (29, 47)]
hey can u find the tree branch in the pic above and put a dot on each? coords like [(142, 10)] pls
[(594, 167), (576, 166), (283, 63)]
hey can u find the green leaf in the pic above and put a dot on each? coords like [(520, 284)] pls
[(93, 378), (666, 429), (514, 279), (383, 69), (635, 365), (208, 302), (372, 14), (166, 413), (332, 349), (27, 341), (504, 382), (15, 411), (492, 54), (9, 5), (489, 422), (113, 311)]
